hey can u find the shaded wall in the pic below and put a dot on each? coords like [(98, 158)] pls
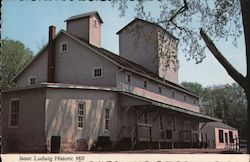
[(29, 135), (61, 116), (37, 68), (136, 87)]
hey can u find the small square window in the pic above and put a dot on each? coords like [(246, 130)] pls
[(95, 23), (32, 81), (194, 101), (145, 83), (64, 47), (160, 89), (97, 72), (173, 93), (128, 77), (185, 98)]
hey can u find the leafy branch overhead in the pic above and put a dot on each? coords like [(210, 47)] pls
[(221, 19)]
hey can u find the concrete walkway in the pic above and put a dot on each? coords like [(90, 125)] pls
[(181, 151), (173, 151)]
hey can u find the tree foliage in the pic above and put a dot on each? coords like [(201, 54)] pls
[(14, 55), (227, 102), (220, 19)]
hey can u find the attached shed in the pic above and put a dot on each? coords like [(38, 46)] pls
[(220, 135)]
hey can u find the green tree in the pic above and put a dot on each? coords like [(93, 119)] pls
[(218, 19), (227, 102), (196, 88), (14, 55)]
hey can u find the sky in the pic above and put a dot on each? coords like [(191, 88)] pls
[(28, 22)]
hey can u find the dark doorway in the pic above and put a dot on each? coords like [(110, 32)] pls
[(226, 137), (55, 144)]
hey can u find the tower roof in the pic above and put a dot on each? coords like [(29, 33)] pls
[(147, 22), (85, 15)]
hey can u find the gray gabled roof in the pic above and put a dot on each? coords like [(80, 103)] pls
[(200, 117), (220, 125), (85, 15), (120, 61), (148, 23), (134, 67)]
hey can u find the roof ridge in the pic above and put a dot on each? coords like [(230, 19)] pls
[(84, 15), (146, 21)]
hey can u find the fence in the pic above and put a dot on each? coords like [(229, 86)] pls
[(238, 145)]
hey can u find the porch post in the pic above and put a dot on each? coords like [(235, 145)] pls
[(125, 119), (202, 140), (150, 136), (191, 139)]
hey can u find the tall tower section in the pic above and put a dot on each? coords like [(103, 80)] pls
[(150, 46)]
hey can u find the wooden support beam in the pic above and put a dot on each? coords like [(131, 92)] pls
[(144, 110), (203, 125), (157, 116)]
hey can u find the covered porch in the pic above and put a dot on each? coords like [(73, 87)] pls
[(150, 124)]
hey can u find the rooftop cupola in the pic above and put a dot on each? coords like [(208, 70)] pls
[(86, 26)]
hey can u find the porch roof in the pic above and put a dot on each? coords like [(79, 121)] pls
[(198, 116)]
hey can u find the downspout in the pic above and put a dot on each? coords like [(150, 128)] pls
[(116, 75)]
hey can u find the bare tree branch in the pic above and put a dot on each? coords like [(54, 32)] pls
[(240, 79), (180, 11)]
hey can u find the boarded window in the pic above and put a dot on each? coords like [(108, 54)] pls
[(14, 113), (221, 139), (81, 114)]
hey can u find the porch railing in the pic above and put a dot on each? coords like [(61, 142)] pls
[(238, 144), (144, 131), (134, 137)]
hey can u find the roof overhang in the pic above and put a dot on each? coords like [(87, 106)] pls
[(147, 23), (198, 116), (84, 16)]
